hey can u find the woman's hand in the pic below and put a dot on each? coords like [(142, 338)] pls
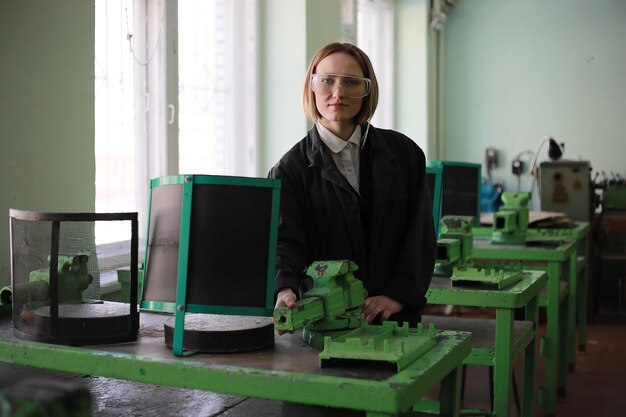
[(285, 298), (379, 305)]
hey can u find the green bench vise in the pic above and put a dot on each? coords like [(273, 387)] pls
[(330, 317), (454, 246), (73, 279), (454, 258), (332, 306), (511, 221)]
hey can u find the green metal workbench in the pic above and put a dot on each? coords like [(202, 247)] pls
[(581, 234), (287, 372), (498, 342), (560, 263)]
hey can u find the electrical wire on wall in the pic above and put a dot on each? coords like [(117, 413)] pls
[(518, 167), (555, 151)]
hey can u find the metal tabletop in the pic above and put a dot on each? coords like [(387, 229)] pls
[(287, 372)]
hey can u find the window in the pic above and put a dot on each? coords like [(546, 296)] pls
[(375, 31), (175, 88), (217, 87), (114, 108)]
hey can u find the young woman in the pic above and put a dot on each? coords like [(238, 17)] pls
[(353, 191)]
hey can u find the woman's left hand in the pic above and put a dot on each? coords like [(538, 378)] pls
[(379, 305)]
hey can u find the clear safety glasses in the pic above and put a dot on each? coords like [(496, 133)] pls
[(353, 87)]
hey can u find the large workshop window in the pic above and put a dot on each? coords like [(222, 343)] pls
[(175, 89), (375, 35), (114, 113), (370, 25)]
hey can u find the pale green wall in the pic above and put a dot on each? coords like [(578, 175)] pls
[(292, 31), (410, 105), (283, 62), (46, 110), (519, 70)]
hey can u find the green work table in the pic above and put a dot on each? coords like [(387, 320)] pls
[(287, 372), (560, 263), (498, 342), (580, 233)]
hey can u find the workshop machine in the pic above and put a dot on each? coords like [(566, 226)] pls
[(454, 258), (510, 222), (56, 272), (39, 300), (330, 316), (565, 187)]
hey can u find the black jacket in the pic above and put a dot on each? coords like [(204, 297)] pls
[(387, 230)]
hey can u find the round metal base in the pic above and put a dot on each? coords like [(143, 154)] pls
[(81, 324), (218, 333)]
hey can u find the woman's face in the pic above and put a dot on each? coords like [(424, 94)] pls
[(335, 106)]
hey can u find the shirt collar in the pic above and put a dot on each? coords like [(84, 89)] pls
[(335, 143)]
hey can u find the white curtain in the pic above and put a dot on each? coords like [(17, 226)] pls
[(176, 92)]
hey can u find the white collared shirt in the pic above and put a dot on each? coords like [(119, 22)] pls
[(346, 154)]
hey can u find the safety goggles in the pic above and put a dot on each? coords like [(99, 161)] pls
[(353, 87)]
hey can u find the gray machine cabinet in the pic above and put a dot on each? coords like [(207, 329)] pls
[(565, 187)]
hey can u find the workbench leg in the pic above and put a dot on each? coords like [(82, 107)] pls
[(572, 297), (530, 362), (583, 286), (503, 362), (449, 401), (563, 347), (450, 393), (550, 342)]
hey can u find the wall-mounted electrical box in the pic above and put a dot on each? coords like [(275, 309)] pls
[(565, 187)]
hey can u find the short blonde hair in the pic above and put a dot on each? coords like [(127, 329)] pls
[(369, 102)]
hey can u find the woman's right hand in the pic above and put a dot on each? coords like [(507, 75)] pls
[(285, 298)]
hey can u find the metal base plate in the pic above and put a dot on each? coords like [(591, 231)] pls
[(489, 278), (217, 333), (389, 343), (81, 324)]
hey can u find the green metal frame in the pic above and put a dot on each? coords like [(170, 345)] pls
[(384, 397), (559, 301), (436, 197), (507, 349), (180, 306)]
